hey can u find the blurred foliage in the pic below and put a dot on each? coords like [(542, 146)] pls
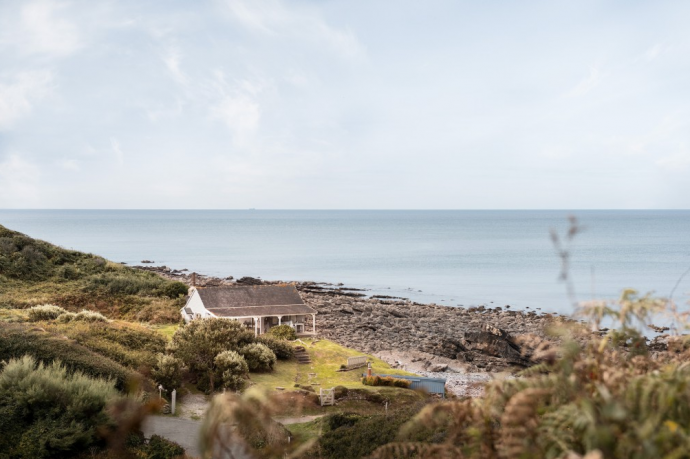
[(46, 411)]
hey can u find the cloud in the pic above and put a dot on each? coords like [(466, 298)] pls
[(660, 136), (238, 107), (655, 51), (119, 155), (273, 18), (163, 112), (241, 114), (70, 164), (677, 162), (19, 182), (172, 62), (41, 29), (586, 84), (17, 98)]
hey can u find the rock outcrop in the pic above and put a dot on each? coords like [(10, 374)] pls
[(479, 339)]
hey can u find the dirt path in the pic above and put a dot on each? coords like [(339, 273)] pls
[(193, 406), (185, 432)]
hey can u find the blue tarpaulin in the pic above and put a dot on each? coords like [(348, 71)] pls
[(431, 385)]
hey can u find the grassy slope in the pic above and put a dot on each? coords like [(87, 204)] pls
[(36, 272), (326, 357)]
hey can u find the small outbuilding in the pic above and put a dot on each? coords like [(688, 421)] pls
[(258, 307)]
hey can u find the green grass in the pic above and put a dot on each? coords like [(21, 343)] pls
[(34, 272), (305, 431), (166, 330), (326, 357)]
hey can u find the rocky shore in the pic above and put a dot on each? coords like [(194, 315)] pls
[(464, 345)]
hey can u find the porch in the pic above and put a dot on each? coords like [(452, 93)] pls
[(304, 325)]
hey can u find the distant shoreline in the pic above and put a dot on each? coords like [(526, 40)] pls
[(463, 345)]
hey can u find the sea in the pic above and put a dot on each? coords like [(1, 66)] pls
[(459, 258)]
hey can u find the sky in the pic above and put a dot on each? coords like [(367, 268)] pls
[(333, 104)]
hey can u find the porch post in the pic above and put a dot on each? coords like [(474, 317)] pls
[(313, 323), (256, 326), (280, 319)]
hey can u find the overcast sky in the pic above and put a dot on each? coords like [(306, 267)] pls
[(344, 104)]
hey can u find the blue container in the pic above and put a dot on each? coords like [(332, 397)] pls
[(431, 385)]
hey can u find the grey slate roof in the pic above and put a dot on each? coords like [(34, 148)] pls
[(254, 300)]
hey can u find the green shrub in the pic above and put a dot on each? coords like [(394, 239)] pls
[(133, 347), (283, 332), (90, 316), (282, 349), (199, 342), (66, 317), (168, 372), (46, 411), (160, 448), (232, 370), (17, 340), (386, 381), (336, 420), (258, 356), (175, 289), (45, 312), (351, 436), (68, 272), (126, 284)]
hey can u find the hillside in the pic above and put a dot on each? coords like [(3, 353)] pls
[(36, 272)]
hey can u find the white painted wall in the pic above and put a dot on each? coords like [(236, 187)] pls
[(196, 305)]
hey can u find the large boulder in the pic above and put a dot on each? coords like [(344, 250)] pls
[(493, 341)]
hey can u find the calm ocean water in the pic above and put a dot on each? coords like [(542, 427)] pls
[(447, 257)]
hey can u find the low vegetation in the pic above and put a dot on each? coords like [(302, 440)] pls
[(19, 339), (386, 381), (326, 357), (34, 273), (232, 370), (258, 356), (47, 411), (596, 395), (284, 332)]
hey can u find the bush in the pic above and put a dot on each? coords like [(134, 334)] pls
[(90, 316), (175, 289), (125, 284), (134, 347), (336, 420), (351, 436), (199, 342), (66, 317), (282, 349), (46, 411), (160, 448), (232, 370), (285, 332), (168, 372), (16, 340), (386, 381), (45, 312), (258, 356)]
